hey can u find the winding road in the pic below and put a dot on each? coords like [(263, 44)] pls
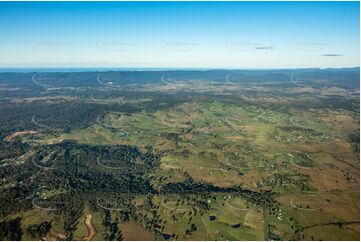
[(108, 208), (294, 82), (108, 126), (232, 124), (42, 167), (47, 209), (297, 166), (36, 123), (303, 209), (106, 84), (108, 167), (239, 209), (44, 160), (228, 81), (38, 83), (163, 80)]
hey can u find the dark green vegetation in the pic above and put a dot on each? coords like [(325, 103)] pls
[(184, 155)]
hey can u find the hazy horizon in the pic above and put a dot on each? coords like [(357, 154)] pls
[(104, 69)]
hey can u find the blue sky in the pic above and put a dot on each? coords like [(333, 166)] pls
[(180, 34)]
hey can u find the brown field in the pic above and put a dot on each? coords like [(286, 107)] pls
[(135, 232), (20, 133)]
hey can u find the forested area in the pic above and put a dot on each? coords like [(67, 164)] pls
[(12, 149), (11, 230), (354, 138)]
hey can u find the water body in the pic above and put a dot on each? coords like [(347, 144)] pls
[(212, 218), (123, 135), (236, 226), (167, 236)]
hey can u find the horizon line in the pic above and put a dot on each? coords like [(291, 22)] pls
[(160, 68)]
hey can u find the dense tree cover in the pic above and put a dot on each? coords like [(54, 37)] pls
[(94, 167), (39, 230), (15, 199), (49, 117), (355, 141), (15, 192), (265, 198), (112, 232), (74, 167), (11, 230), (12, 149)]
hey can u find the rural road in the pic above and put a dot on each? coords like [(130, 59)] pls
[(228, 81), (178, 209), (205, 225), (294, 82), (38, 83), (108, 208), (297, 166), (106, 84), (40, 125), (303, 209), (163, 80)]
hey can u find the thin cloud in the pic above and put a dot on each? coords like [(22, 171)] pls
[(333, 55), (264, 48)]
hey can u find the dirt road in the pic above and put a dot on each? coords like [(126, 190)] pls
[(88, 222)]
